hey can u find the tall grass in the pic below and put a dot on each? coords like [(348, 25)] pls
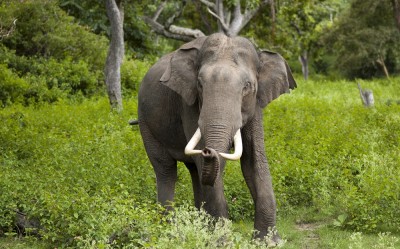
[(82, 171), (329, 152)]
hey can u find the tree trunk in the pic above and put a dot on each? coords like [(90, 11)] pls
[(396, 12), (220, 12), (381, 62), (273, 18), (115, 55), (303, 58), (367, 97)]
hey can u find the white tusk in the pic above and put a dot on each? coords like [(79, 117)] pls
[(189, 149), (237, 141)]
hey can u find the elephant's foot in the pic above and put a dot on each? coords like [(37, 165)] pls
[(272, 239)]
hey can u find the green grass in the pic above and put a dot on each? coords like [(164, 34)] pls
[(300, 230), (83, 172), (22, 243), (305, 228)]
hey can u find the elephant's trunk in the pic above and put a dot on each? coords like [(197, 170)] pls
[(237, 140), (214, 141), (210, 169)]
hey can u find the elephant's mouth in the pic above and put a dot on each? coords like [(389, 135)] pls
[(211, 166)]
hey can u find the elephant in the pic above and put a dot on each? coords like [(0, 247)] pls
[(199, 102)]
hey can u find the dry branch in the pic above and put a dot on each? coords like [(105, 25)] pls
[(216, 9), (6, 32), (168, 29)]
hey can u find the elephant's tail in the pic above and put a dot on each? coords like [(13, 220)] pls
[(134, 122)]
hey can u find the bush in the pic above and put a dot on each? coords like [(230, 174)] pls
[(52, 54), (64, 182), (12, 87), (86, 179), (48, 80), (190, 228), (329, 152), (132, 73), (68, 76), (83, 172), (43, 29)]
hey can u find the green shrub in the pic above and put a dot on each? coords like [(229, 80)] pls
[(327, 151), (70, 77), (43, 29), (384, 241), (191, 228), (47, 80), (62, 158), (12, 87), (83, 172), (132, 73), (55, 56)]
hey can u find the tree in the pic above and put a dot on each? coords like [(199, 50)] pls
[(115, 13), (139, 41), (365, 40), (302, 22), (231, 17), (396, 12)]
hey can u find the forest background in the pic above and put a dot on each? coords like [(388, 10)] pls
[(74, 174)]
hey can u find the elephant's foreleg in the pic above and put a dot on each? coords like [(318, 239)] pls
[(256, 173), (214, 199), (164, 166), (195, 183), (259, 183)]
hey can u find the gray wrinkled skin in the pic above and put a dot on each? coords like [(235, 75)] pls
[(218, 84)]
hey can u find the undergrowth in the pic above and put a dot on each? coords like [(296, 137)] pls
[(76, 175)]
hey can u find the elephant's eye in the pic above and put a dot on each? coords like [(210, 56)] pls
[(247, 88)]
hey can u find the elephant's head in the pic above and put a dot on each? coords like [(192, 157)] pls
[(228, 79)]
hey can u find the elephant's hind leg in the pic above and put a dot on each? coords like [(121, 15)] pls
[(164, 166)]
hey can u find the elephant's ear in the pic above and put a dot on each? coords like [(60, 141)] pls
[(181, 72), (274, 77)]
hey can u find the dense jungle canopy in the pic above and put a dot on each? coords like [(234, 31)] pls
[(55, 48)]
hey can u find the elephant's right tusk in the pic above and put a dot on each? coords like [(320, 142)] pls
[(238, 148), (237, 140), (189, 149)]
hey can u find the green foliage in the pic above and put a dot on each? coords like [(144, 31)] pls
[(47, 80), (364, 34), (43, 29), (190, 228), (50, 53), (83, 172), (132, 73), (336, 155), (138, 38), (64, 182), (12, 87), (87, 179), (385, 241)]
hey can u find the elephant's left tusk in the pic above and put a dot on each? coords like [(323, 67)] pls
[(189, 149), (237, 141)]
